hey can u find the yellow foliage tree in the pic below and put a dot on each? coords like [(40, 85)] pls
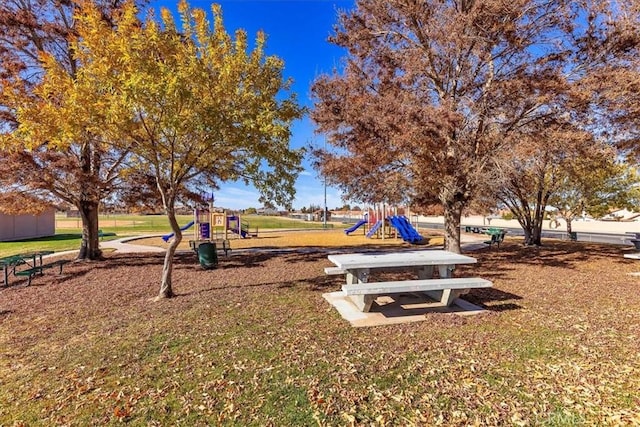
[(49, 153), (193, 105)]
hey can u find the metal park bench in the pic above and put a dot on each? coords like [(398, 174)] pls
[(497, 236), (32, 272)]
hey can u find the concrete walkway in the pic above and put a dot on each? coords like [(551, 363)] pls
[(122, 245)]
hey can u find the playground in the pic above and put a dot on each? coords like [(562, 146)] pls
[(380, 221), (253, 341)]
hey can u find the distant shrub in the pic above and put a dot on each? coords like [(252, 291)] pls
[(508, 216)]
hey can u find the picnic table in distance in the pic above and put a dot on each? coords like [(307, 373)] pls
[(32, 261), (497, 236)]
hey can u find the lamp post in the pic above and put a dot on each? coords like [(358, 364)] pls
[(324, 180)]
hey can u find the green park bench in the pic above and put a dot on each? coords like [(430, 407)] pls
[(30, 273), (103, 234), (497, 236)]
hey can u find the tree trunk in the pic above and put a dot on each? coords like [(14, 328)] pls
[(90, 245), (538, 218), (568, 226), (531, 220), (166, 289), (452, 218), (532, 228), (536, 234), (528, 234)]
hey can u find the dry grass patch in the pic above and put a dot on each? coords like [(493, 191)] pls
[(254, 343), (303, 238)]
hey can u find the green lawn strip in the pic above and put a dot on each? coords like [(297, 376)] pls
[(57, 243), (70, 238)]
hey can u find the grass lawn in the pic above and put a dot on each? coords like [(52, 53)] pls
[(69, 233), (254, 343), (143, 224)]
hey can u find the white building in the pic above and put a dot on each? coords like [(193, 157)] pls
[(621, 215), (19, 227)]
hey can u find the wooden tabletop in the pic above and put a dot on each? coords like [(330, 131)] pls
[(399, 259)]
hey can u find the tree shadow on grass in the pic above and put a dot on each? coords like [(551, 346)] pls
[(226, 287), (242, 257), (4, 313), (492, 264), (54, 238), (552, 254), (493, 299)]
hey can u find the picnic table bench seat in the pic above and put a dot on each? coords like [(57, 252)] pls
[(31, 272), (330, 271), (635, 242), (446, 290)]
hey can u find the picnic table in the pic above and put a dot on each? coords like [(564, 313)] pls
[(634, 238), (27, 264), (357, 268), (7, 264), (496, 234)]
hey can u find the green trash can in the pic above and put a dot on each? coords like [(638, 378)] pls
[(208, 255), (573, 236)]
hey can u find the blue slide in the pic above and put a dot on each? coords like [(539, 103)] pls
[(166, 237), (355, 227), (406, 230), (373, 229)]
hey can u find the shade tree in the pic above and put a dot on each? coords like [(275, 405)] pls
[(434, 95), (544, 162), (38, 165), (193, 106), (594, 185)]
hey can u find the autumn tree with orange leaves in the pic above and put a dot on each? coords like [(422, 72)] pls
[(434, 95)]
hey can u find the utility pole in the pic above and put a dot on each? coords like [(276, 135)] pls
[(324, 180)]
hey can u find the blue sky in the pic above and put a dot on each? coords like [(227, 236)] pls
[(297, 32)]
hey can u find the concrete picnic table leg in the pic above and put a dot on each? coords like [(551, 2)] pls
[(445, 296), (426, 272), (363, 302), (360, 275), (445, 271)]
